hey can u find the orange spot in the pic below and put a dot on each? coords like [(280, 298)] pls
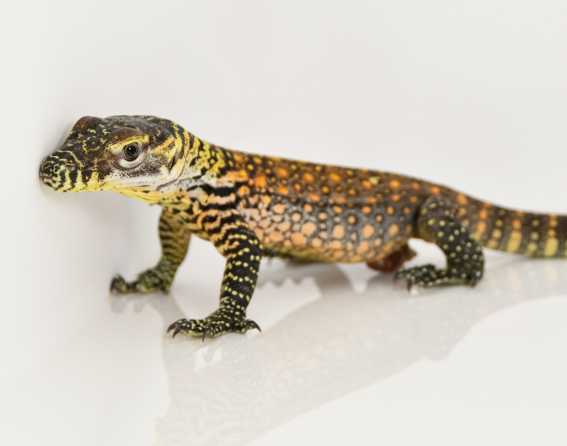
[(279, 208), (483, 214), (308, 178), (395, 184), (295, 217), (435, 190), (368, 231), (517, 224), (281, 172), (462, 199), (276, 237), (393, 230), (307, 208), (337, 209), (283, 190), (322, 216), (362, 248), (335, 177), (366, 184), (391, 210), (314, 197), (379, 218), (395, 198), (366, 210), (285, 226), (415, 185), (338, 231), (243, 191), (316, 242), (335, 244), (298, 239), (309, 229), (260, 182)]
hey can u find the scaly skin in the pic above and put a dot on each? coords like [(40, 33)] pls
[(250, 206)]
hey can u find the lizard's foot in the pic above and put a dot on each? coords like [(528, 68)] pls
[(151, 281), (428, 276), (215, 325)]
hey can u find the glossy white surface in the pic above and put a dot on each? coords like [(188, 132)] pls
[(471, 94)]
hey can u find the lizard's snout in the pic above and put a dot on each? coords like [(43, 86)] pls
[(59, 172)]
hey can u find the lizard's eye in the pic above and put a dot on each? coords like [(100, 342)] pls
[(131, 152)]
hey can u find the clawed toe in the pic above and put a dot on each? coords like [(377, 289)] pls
[(210, 327)]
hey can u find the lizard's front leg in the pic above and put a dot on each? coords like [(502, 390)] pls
[(174, 239), (243, 252)]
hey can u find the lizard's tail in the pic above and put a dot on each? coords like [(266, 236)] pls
[(518, 232)]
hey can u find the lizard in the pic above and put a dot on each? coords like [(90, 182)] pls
[(252, 206)]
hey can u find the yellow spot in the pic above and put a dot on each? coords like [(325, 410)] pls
[(551, 247), (514, 242), (517, 224)]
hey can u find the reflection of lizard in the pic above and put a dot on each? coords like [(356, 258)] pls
[(251, 205)]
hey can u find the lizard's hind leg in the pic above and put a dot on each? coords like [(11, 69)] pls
[(437, 223)]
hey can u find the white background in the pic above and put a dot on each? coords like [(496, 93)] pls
[(468, 93)]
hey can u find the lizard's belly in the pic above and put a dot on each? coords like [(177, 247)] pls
[(329, 233)]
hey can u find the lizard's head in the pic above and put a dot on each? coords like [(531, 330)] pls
[(122, 153)]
